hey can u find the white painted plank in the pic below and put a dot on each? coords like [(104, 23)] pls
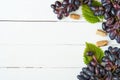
[(26, 10), (42, 56), (49, 33), (29, 10), (39, 74), (42, 44)]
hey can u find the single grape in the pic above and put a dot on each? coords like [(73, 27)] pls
[(81, 77), (112, 35), (58, 4), (53, 6), (118, 14), (113, 12), (65, 3), (90, 53), (77, 3), (107, 16), (59, 16), (118, 38), (104, 27)]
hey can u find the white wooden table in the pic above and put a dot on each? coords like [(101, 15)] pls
[(34, 45)]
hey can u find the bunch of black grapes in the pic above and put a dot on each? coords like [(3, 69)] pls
[(111, 11), (64, 8), (108, 69)]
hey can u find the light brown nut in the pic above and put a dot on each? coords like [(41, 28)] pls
[(75, 16), (101, 33), (101, 43)]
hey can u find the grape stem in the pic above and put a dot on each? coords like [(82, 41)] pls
[(94, 58), (81, 2)]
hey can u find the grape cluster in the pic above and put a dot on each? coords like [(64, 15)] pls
[(108, 69), (63, 9), (110, 9), (98, 10), (112, 16)]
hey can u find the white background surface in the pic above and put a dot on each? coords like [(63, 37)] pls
[(34, 45)]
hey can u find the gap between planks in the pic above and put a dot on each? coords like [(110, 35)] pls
[(50, 45), (35, 67), (39, 21)]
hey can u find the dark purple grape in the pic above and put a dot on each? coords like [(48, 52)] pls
[(59, 16), (84, 75), (107, 16), (108, 30), (85, 1), (89, 3), (87, 72), (65, 3), (110, 21), (69, 8), (64, 11), (105, 59), (93, 63), (58, 4), (74, 8), (118, 38), (102, 71), (116, 26), (115, 78), (66, 14), (61, 12), (109, 49), (91, 68), (117, 70), (107, 53), (113, 12), (104, 27), (94, 8), (96, 13), (101, 13), (97, 70), (71, 1), (81, 77), (108, 8), (108, 67), (77, 3), (53, 6), (116, 49), (116, 5), (118, 14), (104, 4), (90, 53), (112, 57), (56, 11), (117, 62), (103, 1), (112, 35), (109, 74)]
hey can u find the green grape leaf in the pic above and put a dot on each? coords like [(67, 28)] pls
[(88, 13), (98, 53), (96, 3)]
